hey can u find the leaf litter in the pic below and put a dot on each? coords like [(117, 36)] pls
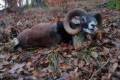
[(100, 60)]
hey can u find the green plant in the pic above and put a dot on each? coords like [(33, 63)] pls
[(113, 4), (54, 58)]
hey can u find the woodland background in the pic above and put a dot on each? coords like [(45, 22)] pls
[(100, 61)]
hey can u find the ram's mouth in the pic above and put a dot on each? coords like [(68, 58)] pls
[(90, 31)]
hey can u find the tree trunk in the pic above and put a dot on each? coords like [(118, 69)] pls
[(12, 5)]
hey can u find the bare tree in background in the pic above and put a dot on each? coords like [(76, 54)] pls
[(19, 2), (37, 3), (11, 5)]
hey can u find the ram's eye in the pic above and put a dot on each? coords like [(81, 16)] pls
[(84, 19), (93, 25)]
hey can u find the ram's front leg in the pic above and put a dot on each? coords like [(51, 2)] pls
[(81, 41), (78, 40)]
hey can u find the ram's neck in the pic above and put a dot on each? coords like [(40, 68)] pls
[(65, 37)]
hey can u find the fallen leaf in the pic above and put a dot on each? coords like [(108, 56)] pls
[(65, 66), (39, 74), (16, 67), (94, 54)]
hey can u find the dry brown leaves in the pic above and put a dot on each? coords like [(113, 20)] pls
[(100, 60)]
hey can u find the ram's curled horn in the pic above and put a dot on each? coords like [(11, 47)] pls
[(68, 17)]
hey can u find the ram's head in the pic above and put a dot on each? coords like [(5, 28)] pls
[(78, 20)]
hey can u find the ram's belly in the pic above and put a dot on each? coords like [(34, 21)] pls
[(43, 41)]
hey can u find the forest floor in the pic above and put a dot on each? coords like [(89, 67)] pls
[(98, 62)]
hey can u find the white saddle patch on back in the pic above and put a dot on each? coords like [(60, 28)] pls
[(15, 41)]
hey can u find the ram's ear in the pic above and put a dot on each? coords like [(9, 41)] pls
[(98, 18)]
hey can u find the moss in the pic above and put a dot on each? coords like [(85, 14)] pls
[(114, 4)]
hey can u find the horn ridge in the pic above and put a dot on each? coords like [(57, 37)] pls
[(69, 16)]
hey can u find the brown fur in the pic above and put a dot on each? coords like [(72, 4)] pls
[(39, 35)]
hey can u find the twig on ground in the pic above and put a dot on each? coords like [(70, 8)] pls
[(94, 73)]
